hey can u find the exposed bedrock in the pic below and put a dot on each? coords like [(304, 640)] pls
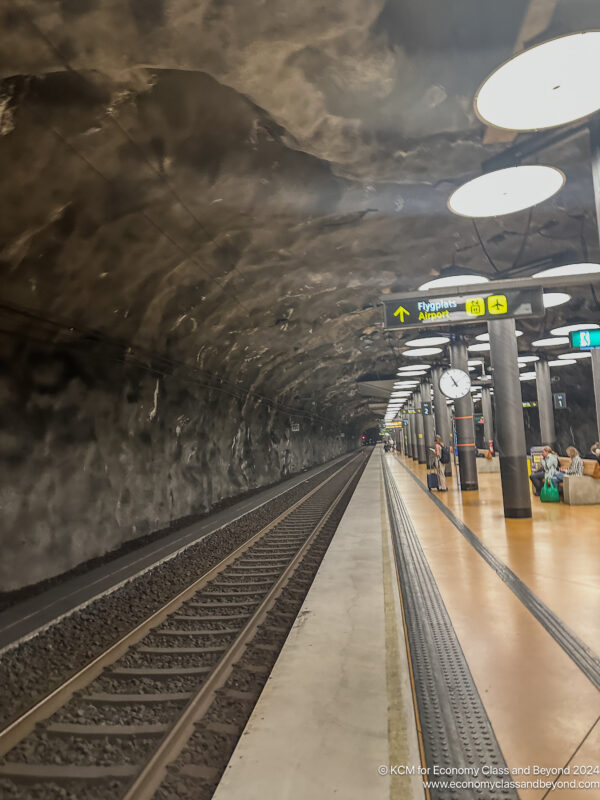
[(95, 453), (215, 193)]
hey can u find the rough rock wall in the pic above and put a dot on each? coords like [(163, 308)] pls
[(95, 452)]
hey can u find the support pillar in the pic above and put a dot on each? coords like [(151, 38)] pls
[(421, 453), (544, 401), (413, 430), (595, 153), (441, 416), (428, 433), (486, 410), (596, 379), (463, 420), (510, 425)]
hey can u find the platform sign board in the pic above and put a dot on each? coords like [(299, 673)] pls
[(585, 340), (560, 399), (484, 304)]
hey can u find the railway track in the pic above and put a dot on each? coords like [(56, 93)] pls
[(113, 729)]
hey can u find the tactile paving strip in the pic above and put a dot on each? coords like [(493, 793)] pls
[(457, 735)]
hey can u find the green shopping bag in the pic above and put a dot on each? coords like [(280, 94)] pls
[(549, 493)]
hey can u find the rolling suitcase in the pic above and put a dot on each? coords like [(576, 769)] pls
[(432, 480)]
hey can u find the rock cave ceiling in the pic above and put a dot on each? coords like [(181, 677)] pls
[(231, 186)]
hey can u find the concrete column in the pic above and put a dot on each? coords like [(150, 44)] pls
[(463, 419), (596, 378), (486, 410), (441, 416), (413, 429), (426, 412), (510, 425), (544, 401), (421, 455)]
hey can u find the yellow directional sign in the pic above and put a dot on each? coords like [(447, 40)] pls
[(423, 309)]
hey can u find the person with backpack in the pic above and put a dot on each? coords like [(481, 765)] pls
[(442, 457)]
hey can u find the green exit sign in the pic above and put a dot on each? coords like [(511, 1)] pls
[(585, 340)]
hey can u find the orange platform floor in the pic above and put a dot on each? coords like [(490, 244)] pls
[(543, 708)]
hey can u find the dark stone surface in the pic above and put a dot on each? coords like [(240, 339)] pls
[(220, 192)]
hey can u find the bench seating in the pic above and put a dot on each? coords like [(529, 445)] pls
[(582, 490)]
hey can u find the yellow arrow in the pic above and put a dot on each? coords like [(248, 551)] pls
[(401, 311)]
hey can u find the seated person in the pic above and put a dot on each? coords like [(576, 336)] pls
[(548, 466), (595, 451), (576, 467)]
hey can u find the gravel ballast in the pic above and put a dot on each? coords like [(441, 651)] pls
[(32, 669)]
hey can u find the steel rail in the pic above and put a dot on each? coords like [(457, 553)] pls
[(13, 733), (153, 773)]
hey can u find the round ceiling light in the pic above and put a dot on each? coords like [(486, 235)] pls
[(562, 362), (416, 372), (506, 191), (527, 376), (448, 281), (576, 356), (485, 337), (568, 269), (552, 299), (558, 340), (414, 366), (481, 347), (528, 359), (422, 351), (565, 330), (427, 341), (545, 86)]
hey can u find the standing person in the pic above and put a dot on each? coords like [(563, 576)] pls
[(576, 467), (548, 466), (439, 464)]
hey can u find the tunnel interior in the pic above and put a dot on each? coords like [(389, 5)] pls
[(203, 204)]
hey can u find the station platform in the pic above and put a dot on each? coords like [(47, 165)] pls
[(522, 599)]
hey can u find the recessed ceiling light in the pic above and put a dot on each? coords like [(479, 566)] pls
[(576, 356), (481, 347), (564, 362), (414, 366), (427, 341), (527, 376), (448, 281), (558, 340), (545, 86), (528, 359), (422, 351), (485, 337), (415, 372), (552, 299), (506, 191), (568, 269), (475, 362), (565, 330)]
